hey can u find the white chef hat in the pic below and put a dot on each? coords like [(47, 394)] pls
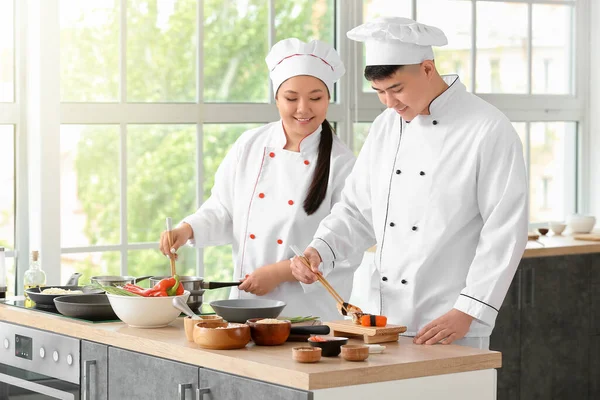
[(397, 41), (292, 57)]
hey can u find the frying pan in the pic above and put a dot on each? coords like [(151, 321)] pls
[(116, 280), (42, 300), (196, 285), (241, 310), (93, 307)]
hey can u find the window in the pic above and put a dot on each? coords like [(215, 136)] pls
[(525, 68), (154, 93)]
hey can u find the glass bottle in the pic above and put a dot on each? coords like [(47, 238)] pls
[(34, 276)]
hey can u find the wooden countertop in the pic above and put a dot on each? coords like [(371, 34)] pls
[(400, 360), (554, 245)]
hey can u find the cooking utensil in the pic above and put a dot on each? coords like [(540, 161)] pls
[(93, 307), (196, 286), (116, 280), (302, 333), (241, 310), (42, 300), (182, 306), (171, 255), (145, 312), (344, 307)]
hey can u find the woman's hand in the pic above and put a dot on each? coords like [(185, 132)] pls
[(263, 280), (179, 235)]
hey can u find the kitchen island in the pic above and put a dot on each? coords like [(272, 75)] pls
[(147, 361)]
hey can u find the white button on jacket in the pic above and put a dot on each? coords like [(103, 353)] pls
[(256, 204), (445, 198)]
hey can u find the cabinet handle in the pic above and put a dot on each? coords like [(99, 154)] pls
[(182, 388), (532, 292), (200, 392), (87, 366), (517, 291)]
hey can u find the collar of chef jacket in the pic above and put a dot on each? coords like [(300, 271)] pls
[(308, 144), (454, 86)]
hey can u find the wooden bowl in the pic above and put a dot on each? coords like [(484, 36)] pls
[(355, 352), (224, 337), (543, 231), (306, 354), (269, 334), (189, 323)]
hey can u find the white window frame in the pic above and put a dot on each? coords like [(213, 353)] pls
[(38, 219)]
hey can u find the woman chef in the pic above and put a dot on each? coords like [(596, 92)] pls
[(277, 183), (440, 185)]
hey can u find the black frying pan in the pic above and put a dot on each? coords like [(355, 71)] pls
[(93, 307), (42, 300)]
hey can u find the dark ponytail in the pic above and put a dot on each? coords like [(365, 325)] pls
[(318, 187)]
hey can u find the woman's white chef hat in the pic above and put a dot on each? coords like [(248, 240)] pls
[(292, 57), (397, 41)]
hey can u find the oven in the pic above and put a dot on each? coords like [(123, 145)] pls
[(38, 365)]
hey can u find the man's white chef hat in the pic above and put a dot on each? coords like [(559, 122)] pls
[(397, 41), (292, 57)]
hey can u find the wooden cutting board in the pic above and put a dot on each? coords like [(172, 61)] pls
[(595, 237), (533, 236), (370, 334)]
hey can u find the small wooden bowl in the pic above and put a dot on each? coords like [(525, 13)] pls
[(306, 354), (224, 337), (207, 318), (269, 334), (543, 231), (355, 352), (189, 323)]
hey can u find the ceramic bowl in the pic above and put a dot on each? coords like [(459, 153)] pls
[(306, 354), (557, 227), (226, 337), (241, 310), (581, 223), (145, 312), (269, 334), (355, 352), (331, 347)]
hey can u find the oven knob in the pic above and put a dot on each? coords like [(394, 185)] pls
[(6, 343), (42, 352), (55, 356), (70, 359)]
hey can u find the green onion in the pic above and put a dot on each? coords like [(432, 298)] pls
[(295, 320), (117, 291)]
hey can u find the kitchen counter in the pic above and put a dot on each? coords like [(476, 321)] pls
[(402, 361)]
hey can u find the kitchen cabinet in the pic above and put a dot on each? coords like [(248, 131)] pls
[(507, 336), (544, 329), (224, 386), (595, 367), (595, 307), (94, 371), (138, 376)]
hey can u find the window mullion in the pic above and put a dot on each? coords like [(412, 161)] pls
[(529, 47)]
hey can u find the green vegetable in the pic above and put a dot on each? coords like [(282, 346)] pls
[(295, 320), (117, 290), (172, 291)]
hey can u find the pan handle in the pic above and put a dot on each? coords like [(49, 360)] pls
[(310, 330), (141, 278), (217, 285)]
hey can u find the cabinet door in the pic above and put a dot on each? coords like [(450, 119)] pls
[(506, 338), (595, 309), (94, 371), (595, 367), (138, 376), (224, 386), (555, 328)]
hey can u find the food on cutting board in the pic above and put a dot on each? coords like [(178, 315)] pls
[(347, 309), (373, 320), (61, 291)]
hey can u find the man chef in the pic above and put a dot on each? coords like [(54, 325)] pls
[(440, 186)]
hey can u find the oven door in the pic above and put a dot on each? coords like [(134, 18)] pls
[(18, 384)]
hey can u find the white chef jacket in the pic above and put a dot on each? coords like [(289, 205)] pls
[(445, 197), (256, 204)]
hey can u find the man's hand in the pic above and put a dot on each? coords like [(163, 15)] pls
[(262, 281), (301, 272), (451, 326)]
